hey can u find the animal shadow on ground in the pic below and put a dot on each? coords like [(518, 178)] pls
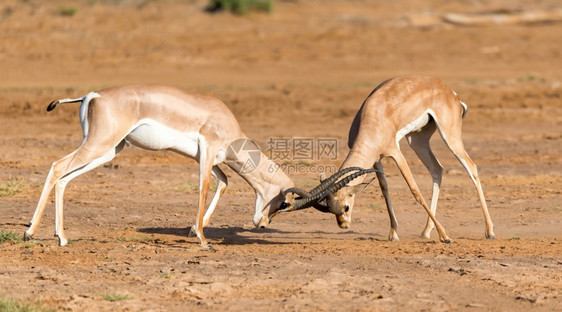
[(241, 236), (229, 236)]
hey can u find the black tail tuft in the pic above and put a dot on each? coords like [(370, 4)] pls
[(52, 105)]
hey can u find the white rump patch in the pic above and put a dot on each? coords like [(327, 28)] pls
[(84, 111)]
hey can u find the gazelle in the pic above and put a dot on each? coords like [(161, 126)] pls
[(406, 106), (161, 118)]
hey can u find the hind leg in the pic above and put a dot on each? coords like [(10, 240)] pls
[(419, 141), (62, 171), (60, 187), (407, 174), (58, 168), (456, 145)]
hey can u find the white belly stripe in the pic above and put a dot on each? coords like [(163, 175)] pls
[(152, 135), (417, 124)]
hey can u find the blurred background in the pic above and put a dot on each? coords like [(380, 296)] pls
[(286, 68)]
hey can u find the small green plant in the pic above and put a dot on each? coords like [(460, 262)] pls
[(30, 244), (187, 187), (12, 187), (115, 297), (9, 237), (67, 10), (9, 305), (169, 275), (514, 238), (133, 239), (190, 187), (241, 7)]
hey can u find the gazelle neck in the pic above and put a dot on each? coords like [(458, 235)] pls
[(356, 158), (265, 176)]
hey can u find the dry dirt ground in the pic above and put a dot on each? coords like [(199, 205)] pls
[(286, 74)]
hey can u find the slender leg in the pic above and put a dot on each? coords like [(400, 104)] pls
[(61, 185), (407, 174), (80, 161), (393, 235), (457, 147), (205, 169), (222, 182), (56, 171), (419, 141)]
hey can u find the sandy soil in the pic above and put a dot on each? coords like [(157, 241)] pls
[(283, 75)]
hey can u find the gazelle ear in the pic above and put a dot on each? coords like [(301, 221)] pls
[(361, 186)]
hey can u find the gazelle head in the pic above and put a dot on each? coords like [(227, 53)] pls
[(342, 202), (267, 206), (337, 195)]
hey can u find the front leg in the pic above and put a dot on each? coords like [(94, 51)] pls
[(205, 167), (222, 183), (393, 235)]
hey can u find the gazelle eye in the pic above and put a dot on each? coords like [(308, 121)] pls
[(284, 205)]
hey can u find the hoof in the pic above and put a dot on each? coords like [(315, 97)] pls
[(26, 237), (491, 237), (425, 236), (191, 232), (63, 241), (207, 247), (393, 237), (448, 241)]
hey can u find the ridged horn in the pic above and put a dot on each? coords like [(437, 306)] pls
[(304, 201), (329, 181), (329, 186), (320, 192), (296, 190), (343, 182)]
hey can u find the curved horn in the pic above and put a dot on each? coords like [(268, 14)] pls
[(326, 183), (312, 198), (296, 190), (304, 201), (326, 187), (343, 182), (321, 207)]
